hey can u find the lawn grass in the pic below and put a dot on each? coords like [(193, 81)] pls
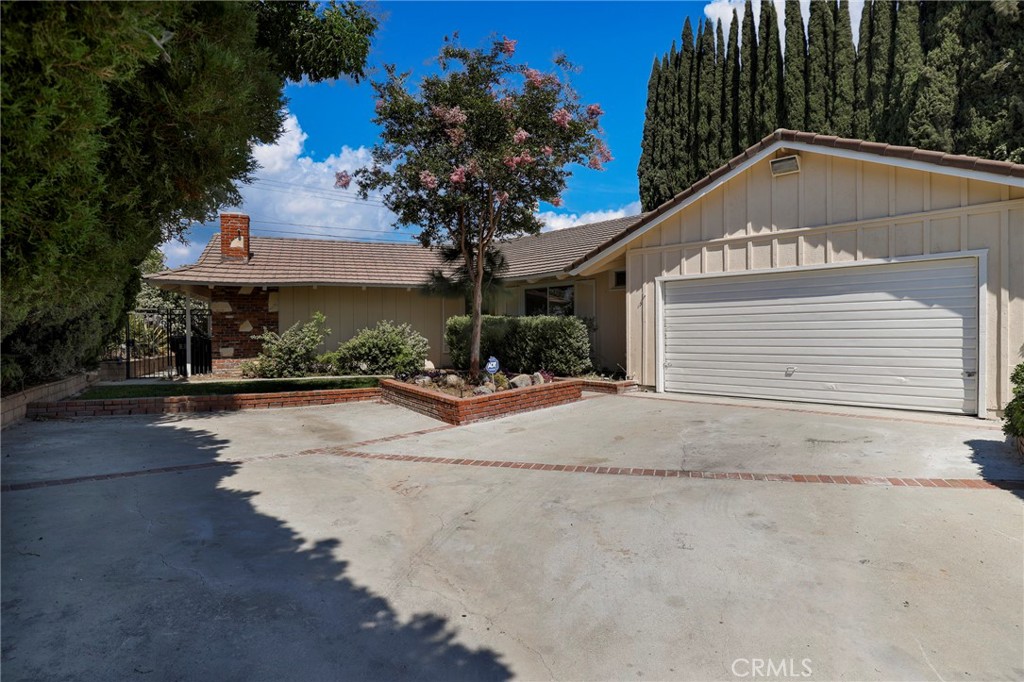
[(222, 387)]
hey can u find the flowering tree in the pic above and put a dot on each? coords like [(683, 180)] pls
[(467, 157)]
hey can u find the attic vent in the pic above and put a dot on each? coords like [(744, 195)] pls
[(785, 165)]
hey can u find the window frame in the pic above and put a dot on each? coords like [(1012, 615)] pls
[(547, 298), (614, 286)]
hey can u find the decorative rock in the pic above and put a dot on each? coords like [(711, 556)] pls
[(490, 385), (537, 378), (424, 381), (454, 381), (428, 365), (482, 390), (521, 381), (245, 327)]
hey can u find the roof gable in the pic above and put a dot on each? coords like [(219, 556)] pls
[(791, 140)]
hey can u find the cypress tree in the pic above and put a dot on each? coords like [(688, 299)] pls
[(684, 94), (733, 57), (907, 64), (769, 80), (795, 69), (879, 69), (843, 58), (645, 170), (748, 78), (672, 125), (820, 39), (931, 121), (708, 122), (724, 103), (861, 115), (663, 182)]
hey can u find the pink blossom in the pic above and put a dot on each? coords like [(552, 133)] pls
[(538, 79), (562, 118), (456, 135), (458, 175), (378, 105), (520, 136), (428, 179), (595, 163), (548, 151), (507, 45), (505, 102), (342, 180), (594, 111), (557, 201), (452, 116), (603, 153), (502, 197), (525, 158), (473, 168), (522, 159)]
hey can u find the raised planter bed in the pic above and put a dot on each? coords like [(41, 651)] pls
[(457, 411), (602, 386), (197, 403)]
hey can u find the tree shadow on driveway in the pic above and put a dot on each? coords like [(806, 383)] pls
[(172, 576), (998, 463)]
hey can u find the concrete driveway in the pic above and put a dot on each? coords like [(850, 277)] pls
[(341, 542)]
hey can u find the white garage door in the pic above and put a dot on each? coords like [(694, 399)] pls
[(901, 335)]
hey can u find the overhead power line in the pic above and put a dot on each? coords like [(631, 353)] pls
[(326, 227), (380, 240), (325, 197)]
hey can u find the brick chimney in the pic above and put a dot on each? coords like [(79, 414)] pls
[(234, 236)]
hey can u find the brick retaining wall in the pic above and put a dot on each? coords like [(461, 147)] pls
[(16, 405), (197, 403), (455, 410), (599, 386)]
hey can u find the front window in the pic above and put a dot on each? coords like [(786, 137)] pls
[(550, 301)]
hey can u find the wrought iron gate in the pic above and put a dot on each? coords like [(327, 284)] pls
[(155, 343)]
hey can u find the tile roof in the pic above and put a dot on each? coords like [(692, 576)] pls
[(288, 261), (829, 141)]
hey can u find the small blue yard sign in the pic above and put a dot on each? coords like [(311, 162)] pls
[(492, 365)]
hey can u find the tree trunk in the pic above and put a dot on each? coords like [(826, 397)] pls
[(478, 304)]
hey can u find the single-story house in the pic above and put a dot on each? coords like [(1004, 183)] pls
[(254, 283), (808, 268)]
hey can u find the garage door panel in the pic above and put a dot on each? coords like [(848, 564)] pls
[(899, 335)]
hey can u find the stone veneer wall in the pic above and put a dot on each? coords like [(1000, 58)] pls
[(239, 314)]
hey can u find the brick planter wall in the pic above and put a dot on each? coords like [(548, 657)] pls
[(465, 410), (15, 405), (598, 386), (197, 403)]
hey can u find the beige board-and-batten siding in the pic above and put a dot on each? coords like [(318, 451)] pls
[(838, 210), (349, 309)]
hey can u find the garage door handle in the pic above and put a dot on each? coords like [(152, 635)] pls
[(970, 373)]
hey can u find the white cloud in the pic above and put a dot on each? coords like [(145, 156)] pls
[(177, 253), (559, 221), (722, 9)]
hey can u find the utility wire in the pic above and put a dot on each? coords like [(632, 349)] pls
[(408, 240), (323, 197), (318, 188), (325, 227)]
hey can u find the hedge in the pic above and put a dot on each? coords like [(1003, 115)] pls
[(1013, 415), (560, 345)]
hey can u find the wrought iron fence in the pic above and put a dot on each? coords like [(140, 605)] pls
[(154, 344)]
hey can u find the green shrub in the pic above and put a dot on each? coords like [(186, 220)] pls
[(1013, 414), (291, 354), (388, 348), (558, 344)]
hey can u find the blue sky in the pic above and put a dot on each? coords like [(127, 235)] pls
[(328, 126)]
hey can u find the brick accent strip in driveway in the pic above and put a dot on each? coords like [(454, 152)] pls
[(887, 481)]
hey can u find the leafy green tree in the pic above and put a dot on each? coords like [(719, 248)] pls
[(769, 78), (795, 69), (843, 65), (907, 64), (466, 155), (122, 124), (820, 41), (748, 78)]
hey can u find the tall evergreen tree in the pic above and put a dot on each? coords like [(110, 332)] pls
[(673, 125), (708, 122), (843, 60), (861, 110), (685, 174), (646, 170), (769, 79), (931, 121), (733, 77), (908, 61), (724, 103), (879, 69), (795, 69), (820, 41), (663, 182), (748, 78)]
